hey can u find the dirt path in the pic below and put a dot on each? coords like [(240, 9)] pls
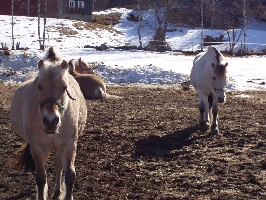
[(147, 146)]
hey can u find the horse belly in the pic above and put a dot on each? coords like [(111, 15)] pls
[(194, 76), (199, 77), (17, 112)]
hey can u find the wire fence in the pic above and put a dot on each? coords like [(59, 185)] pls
[(239, 47)]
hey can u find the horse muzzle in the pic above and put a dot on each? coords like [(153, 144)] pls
[(51, 124)]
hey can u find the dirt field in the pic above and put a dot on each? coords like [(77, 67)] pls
[(147, 146)]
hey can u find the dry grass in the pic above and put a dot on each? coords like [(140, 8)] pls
[(107, 20), (101, 22), (67, 31)]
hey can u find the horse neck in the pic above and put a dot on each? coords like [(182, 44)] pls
[(73, 72), (218, 57)]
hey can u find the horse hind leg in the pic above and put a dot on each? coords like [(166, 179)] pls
[(99, 93)]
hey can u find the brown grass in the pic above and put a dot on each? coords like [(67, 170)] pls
[(102, 22)]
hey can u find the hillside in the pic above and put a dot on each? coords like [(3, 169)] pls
[(116, 66)]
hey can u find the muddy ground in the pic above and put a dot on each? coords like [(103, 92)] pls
[(147, 146)]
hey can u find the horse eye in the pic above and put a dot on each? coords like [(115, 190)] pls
[(213, 78), (39, 87)]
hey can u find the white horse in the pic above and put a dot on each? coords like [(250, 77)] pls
[(49, 111), (209, 77)]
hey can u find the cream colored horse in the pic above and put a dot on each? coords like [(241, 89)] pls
[(81, 66), (49, 112), (92, 86), (209, 77)]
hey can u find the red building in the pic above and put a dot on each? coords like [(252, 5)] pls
[(71, 9), (20, 8)]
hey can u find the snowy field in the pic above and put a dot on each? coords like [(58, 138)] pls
[(124, 67)]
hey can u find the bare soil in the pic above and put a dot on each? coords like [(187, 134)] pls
[(148, 146)]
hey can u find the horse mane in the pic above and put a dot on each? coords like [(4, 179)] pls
[(71, 66), (220, 69), (217, 54), (53, 54), (51, 71)]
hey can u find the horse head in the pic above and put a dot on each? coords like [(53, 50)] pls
[(83, 67), (52, 89), (219, 80)]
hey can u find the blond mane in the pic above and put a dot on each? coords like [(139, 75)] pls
[(52, 71)]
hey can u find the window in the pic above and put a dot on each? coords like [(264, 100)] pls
[(81, 7), (81, 4), (71, 4), (72, 7)]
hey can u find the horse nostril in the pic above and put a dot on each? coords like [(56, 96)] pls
[(55, 121), (45, 121), (50, 125)]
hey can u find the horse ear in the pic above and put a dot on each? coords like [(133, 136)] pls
[(70, 67), (64, 64), (40, 64), (213, 65)]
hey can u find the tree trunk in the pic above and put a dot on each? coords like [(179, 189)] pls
[(158, 42), (139, 24), (39, 17), (12, 24)]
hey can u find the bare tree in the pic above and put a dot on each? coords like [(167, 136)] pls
[(139, 23), (161, 11), (12, 24), (43, 4)]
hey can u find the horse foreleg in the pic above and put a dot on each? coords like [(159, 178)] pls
[(214, 126), (70, 173), (39, 160), (204, 112), (58, 170), (202, 122)]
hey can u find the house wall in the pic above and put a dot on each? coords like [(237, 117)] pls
[(55, 9), (20, 7), (85, 18), (69, 13)]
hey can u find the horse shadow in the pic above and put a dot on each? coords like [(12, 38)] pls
[(168, 146)]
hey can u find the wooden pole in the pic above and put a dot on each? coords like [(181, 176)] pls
[(202, 25)]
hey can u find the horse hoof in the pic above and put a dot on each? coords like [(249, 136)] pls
[(214, 130), (203, 126)]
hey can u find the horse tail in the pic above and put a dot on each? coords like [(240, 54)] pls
[(24, 159), (53, 54)]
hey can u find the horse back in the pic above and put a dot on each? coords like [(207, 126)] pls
[(200, 69), (92, 86), (78, 106)]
